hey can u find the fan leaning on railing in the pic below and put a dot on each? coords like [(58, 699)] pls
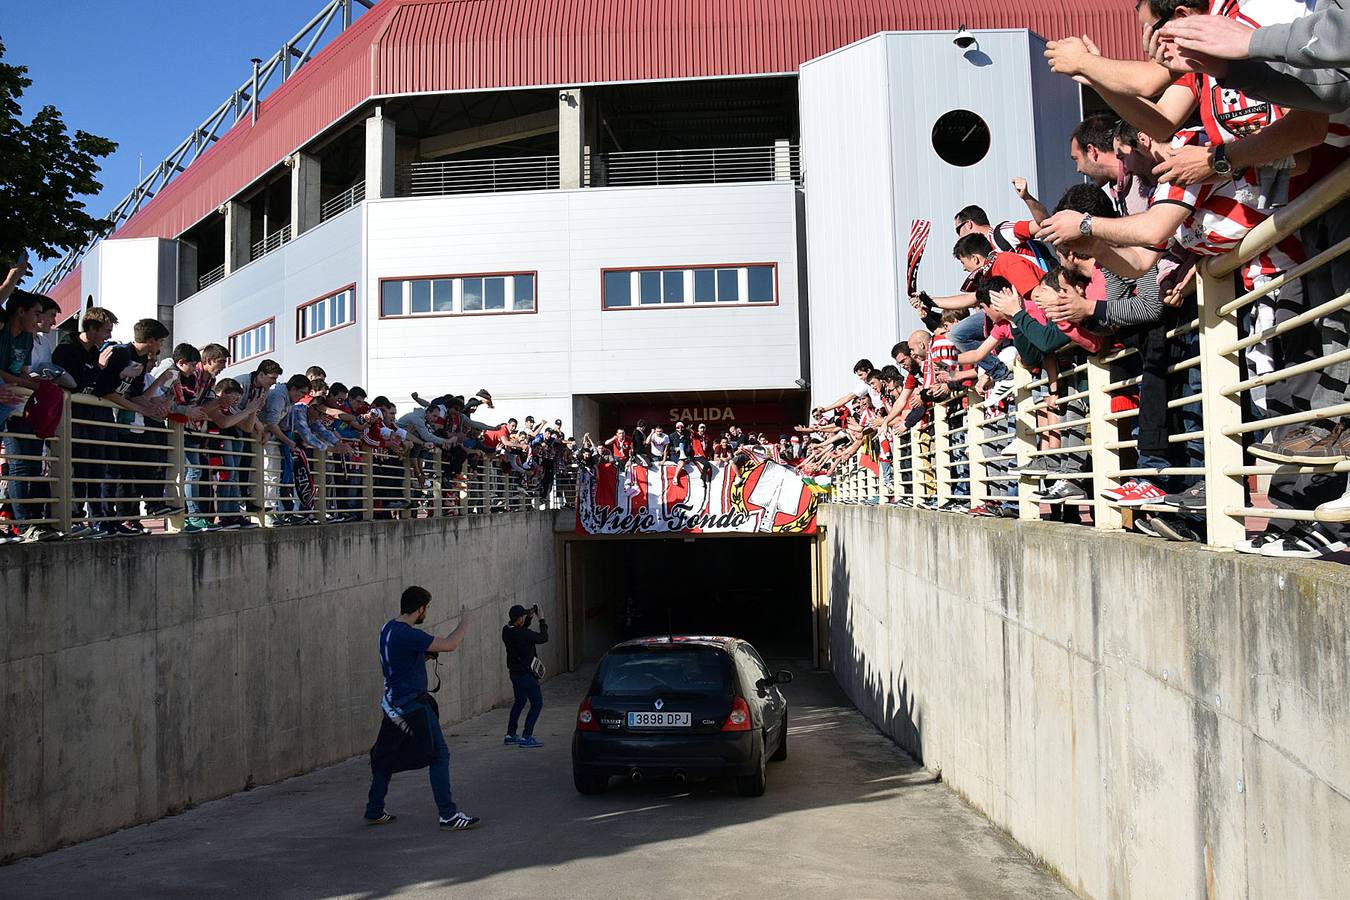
[(959, 455)]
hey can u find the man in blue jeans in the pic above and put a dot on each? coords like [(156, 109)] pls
[(411, 726), (520, 642)]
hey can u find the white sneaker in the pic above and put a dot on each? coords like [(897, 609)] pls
[(1337, 510), (998, 393)]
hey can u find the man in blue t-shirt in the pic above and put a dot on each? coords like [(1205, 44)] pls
[(408, 708)]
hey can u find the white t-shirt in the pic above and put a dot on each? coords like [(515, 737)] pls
[(863, 389), (659, 443)]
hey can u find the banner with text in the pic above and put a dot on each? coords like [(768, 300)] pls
[(759, 498)]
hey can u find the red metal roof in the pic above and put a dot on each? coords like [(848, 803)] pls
[(408, 46)]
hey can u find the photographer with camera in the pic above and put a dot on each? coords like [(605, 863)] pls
[(410, 733), (526, 669)]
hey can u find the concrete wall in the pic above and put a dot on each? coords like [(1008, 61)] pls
[(139, 677), (1150, 719)]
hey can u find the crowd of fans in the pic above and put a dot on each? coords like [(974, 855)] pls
[(1112, 267), (120, 447), (1236, 111)]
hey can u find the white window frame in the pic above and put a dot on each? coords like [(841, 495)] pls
[(742, 286), (457, 295), (252, 339), (343, 300)]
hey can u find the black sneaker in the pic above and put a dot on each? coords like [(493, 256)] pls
[(161, 511), (1174, 528), (129, 529), (1255, 545), (459, 822), (1306, 540), (1144, 525), (1192, 499), (384, 818)]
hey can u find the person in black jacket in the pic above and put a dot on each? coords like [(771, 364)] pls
[(520, 642)]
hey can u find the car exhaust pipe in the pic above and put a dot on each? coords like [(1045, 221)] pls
[(681, 777), (635, 776)]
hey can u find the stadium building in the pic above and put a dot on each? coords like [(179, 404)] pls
[(598, 210)]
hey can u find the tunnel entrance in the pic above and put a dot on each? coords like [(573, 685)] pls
[(757, 588)]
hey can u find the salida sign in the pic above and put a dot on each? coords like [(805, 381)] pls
[(762, 497)]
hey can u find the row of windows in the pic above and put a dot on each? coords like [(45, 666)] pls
[(514, 293), (629, 288), (458, 296)]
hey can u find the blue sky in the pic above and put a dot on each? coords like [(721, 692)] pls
[(141, 72)]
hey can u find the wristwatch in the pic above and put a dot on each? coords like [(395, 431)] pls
[(1218, 160), (1085, 225)]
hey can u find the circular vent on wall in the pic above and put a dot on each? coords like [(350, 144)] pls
[(961, 137)]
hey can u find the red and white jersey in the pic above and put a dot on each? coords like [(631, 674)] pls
[(1228, 113), (943, 352), (1220, 217)]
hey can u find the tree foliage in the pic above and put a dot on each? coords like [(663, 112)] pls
[(43, 173)]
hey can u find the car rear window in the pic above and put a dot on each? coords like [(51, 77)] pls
[(640, 672)]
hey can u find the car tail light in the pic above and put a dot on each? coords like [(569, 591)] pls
[(586, 720), (739, 719)]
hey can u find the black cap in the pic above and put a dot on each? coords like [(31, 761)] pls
[(516, 612)]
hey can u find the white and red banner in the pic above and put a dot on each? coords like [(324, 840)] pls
[(758, 498)]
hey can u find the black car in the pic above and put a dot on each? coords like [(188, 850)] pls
[(682, 707)]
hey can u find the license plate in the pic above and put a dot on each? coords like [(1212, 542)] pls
[(658, 720)]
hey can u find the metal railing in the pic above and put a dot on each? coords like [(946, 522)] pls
[(339, 204), (271, 242), (103, 473), (211, 277), (1079, 421), (781, 162), (477, 176)]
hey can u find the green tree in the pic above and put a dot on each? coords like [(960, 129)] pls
[(43, 173)]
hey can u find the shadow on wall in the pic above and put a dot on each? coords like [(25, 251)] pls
[(888, 704)]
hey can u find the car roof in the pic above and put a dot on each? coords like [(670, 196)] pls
[(677, 640)]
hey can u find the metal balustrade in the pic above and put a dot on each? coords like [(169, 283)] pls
[(97, 470), (271, 242), (1075, 411), (211, 277), (339, 204), (781, 162), (477, 176)]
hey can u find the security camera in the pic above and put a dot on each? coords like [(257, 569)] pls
[(964, 39), (803, 383)]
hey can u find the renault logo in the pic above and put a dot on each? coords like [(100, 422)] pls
[(659, 704)]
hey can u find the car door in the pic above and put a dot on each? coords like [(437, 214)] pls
[(768, 698)]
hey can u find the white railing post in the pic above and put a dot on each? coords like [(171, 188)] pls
[(1220, 412), (942, 452), (176, 477), (1101, 431), (975, 451), (1025, 419), (320, 482), (63, 469)]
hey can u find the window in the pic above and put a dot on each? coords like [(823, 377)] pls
[(960, 138), (618, 289), (694, 286), (256, 340), (326, 314), (455, 295)]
